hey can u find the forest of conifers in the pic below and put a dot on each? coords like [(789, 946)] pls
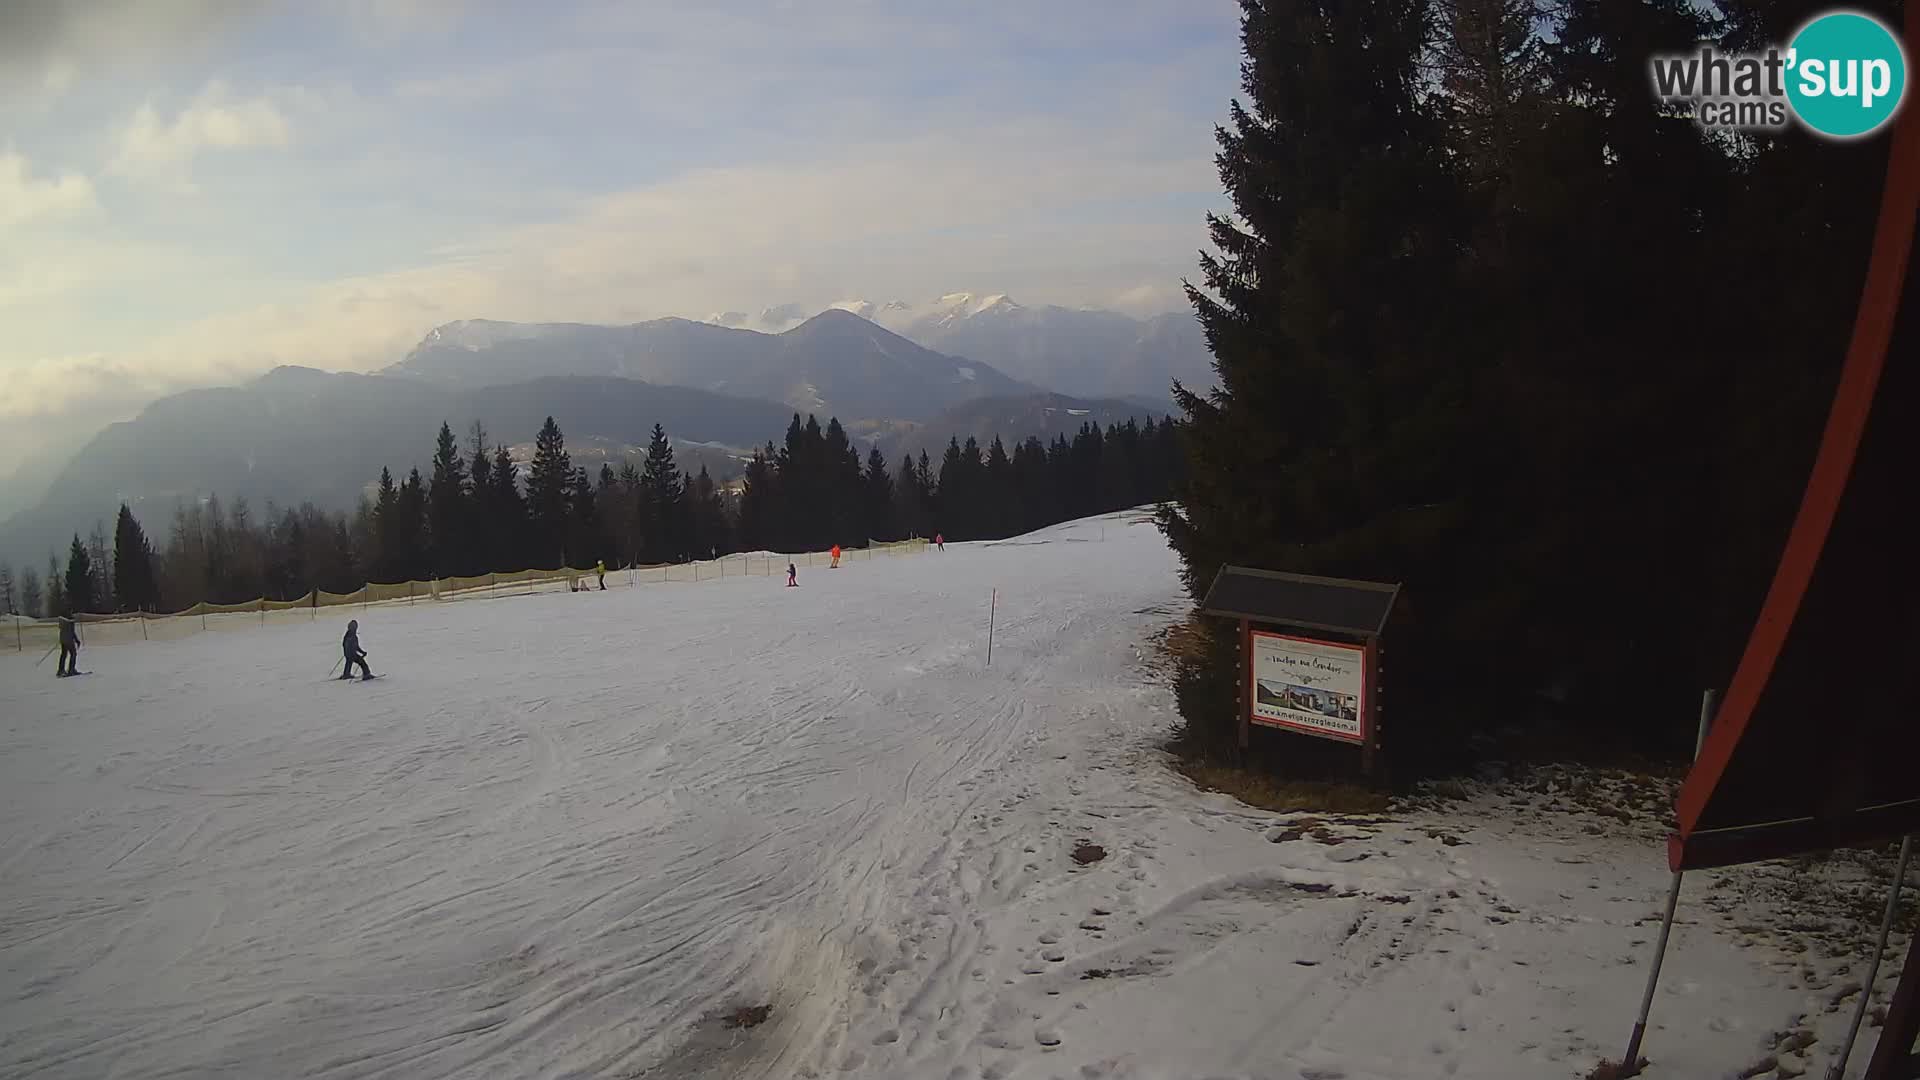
[(475, 512)]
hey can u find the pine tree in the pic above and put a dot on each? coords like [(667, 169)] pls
[(79, 583), (706, 517), (387, 529), (878, 498), (412, 534), (840, 466), (449, 524), (908, 502), (760, 501), (507, 514), (583, 522), (1325, 448), (134, 586), (997, 505), (662, 503), (548, 479)]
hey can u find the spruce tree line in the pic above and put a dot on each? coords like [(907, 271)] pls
[(1493, 323), (475, 514)]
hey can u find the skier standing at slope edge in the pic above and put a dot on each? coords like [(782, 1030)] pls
[(940, 541), (69, 647), (793, 576), (350, 645)]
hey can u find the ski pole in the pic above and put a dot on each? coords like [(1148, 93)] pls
[(43, 656), (334, 668)]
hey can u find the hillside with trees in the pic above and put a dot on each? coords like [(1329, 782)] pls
[(476, 511), (1492, 323)]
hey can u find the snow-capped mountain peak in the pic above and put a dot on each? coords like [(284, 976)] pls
[(863, 308)]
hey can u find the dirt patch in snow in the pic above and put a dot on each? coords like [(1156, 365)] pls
[(748, 1016), (1086, 853)]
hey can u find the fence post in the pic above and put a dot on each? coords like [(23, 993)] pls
[(142, 616), (263, 611)]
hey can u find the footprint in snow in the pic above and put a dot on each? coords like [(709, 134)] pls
[(886, 1037), (1049, 938), (1047, 1037)]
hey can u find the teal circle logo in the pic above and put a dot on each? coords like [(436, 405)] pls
[(1848, 74)]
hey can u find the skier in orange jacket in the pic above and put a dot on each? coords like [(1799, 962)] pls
[(835, 565)]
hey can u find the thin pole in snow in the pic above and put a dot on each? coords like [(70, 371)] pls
[(1873, 964), (993, 605), (1630, 1063)]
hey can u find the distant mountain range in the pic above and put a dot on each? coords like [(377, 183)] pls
[(1083, 351), (900, 376), (298, 434), (833, 363)]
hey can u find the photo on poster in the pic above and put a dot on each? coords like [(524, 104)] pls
[(1314, 686)]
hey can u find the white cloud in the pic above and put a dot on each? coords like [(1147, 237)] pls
[(24, 199), (151, 148)]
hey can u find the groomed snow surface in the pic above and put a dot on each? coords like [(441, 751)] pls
[(569, 834)]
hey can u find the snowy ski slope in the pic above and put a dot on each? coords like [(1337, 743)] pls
[(571, 831)]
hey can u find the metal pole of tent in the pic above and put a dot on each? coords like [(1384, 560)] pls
[(1873, 963), (1630, 1062)]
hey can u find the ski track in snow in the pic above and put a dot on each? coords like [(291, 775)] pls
[(572, 830)]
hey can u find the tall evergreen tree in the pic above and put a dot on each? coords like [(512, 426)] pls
[(662, 502), (909, 501), (79, 583), (997, 507), (412, 533), (134, 585), (840, 467), (878, 498), (548, 480), (1324, 450), (387, 530), (584, 535), (706, 517), (760, 501), (506, 514), (449, 522)]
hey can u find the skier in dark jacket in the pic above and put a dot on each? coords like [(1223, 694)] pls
[(355, 655), (69, 647), (792, 577)]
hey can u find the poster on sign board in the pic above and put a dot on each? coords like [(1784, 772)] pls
[(1316, 687)]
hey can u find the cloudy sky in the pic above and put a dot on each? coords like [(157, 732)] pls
[(192, 191)]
